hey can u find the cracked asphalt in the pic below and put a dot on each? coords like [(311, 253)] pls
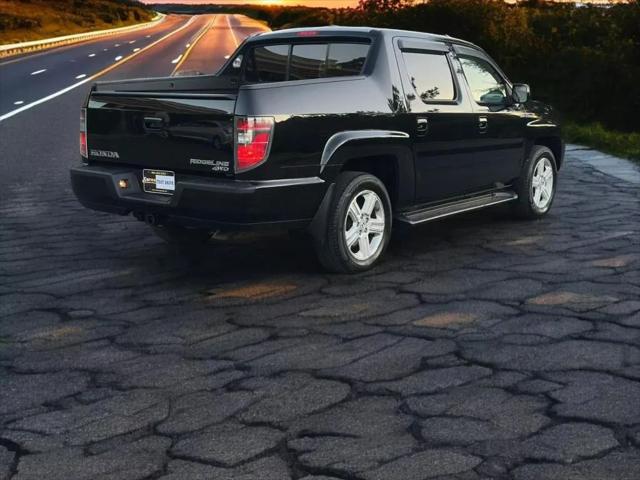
[(481, 348)]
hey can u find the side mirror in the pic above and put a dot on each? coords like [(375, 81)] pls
[(521, 92)]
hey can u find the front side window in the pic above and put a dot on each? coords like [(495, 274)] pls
[(430, 76), (267, 63), (487, 87)]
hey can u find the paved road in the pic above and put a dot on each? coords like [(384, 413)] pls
[(481, 348)]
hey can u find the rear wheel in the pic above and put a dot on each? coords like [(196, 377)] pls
[(176, 235), (358, 224), (536, 188)]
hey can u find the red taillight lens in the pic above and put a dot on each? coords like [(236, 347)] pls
[(253, 139), (83, 133)]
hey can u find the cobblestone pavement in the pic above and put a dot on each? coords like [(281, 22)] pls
[(482, 348)]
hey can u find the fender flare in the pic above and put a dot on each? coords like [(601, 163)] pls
[(331, 151), (337, 140)]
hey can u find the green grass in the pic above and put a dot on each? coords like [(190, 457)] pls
[(24, 20), (596, 136)]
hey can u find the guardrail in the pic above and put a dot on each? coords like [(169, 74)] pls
[(25, 47)]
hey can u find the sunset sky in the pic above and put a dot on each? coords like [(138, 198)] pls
[(310, 3)]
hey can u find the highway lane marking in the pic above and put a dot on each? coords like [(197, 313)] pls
[(192, 44), (93, 77), (118, 58), (19, 102), (231, 30), (132, 41), (176, 60), (38, 72), (81, 76), (136, 49), (92, 55), (117, 45)]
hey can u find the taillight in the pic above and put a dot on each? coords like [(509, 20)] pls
[(83, 133), (253, 140)]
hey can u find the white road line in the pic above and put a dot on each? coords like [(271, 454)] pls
[(19, 102), (38, 72), (92, 55), (131, 42), (233, 35), (188, 45), (117, 45), (81, 76), (136, 49), (176, 60), (105, 50), (93, 77), (118, 58)]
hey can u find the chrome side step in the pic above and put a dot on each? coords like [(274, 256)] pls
[(459, 206)]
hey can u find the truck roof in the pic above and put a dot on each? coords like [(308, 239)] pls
[(335, 30)]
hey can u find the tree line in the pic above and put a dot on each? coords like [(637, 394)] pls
[(585, 60)]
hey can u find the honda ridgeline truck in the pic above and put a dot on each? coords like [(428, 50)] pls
[(338, 131)]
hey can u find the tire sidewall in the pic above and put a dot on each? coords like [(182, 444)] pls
[(355, 186), (537, 156)]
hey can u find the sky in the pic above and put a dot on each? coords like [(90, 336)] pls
[(310, 3)]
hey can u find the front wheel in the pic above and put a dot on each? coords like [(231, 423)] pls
[(536, 187), (358, 224)]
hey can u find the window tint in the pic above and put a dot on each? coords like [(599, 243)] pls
[(308, 61), (272, 63), (430, 75), (346, 59), (486, 85), (267, 64)]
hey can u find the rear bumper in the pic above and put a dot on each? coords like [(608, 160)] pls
[(201, 201)]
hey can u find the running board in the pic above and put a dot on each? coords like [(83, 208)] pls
[(459, 206)]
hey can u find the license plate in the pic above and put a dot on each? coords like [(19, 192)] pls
[(159, 181)]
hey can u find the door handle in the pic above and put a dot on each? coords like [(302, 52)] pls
[(422, 126), (483, 124), (153, 123)]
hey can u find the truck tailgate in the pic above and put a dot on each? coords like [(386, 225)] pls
[(185, 132)]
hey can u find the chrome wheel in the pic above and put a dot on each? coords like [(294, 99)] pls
[(364, 226), (542, 184)]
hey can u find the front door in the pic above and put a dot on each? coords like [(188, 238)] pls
[(500, 124)]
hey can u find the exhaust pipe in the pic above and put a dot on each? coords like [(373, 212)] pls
[(151, 219)]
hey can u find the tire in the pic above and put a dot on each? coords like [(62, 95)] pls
[(535, 201), (176, 235), (372, 229)]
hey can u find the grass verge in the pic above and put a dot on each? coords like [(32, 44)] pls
[(26, 20), (596, 136)]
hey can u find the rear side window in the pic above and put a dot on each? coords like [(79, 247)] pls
[(267, 63), (304, 61), (430, 75)]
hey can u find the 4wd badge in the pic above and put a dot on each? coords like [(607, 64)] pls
[(216, 165)]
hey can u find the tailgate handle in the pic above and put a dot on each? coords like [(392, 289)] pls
[(153, 123)]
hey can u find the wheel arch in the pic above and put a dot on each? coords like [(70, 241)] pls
[(553, 143), (385, 154)]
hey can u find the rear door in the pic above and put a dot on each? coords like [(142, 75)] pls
[(442, 119), (499, 124)]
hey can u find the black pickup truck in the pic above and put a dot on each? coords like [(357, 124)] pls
[(334, 130)]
